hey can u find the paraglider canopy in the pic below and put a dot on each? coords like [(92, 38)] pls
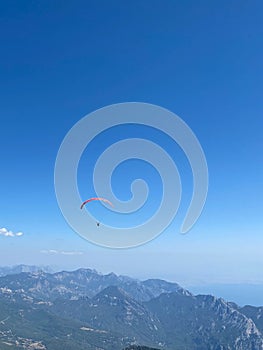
[(96, 199)]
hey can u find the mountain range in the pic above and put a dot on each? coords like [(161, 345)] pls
[(84, 310)]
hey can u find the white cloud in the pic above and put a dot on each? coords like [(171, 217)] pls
[(50, 251), (60, 252), (71, 253), (19, 234), (8, 233)]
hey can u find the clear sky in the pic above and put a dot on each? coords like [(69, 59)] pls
[(61, 60)]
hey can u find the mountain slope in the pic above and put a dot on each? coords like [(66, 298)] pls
[(255, 313), (204, 322), (115, 311), (24, 326)]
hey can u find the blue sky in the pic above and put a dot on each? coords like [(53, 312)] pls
[(61, 60)]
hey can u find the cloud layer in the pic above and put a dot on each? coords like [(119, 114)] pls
[(61, 252), (7, 233)]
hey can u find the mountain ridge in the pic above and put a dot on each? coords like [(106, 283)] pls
[(113, 312)]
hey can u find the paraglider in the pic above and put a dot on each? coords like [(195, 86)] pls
[(96, 199)]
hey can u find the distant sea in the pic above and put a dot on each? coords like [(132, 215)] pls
[(241, 294)]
